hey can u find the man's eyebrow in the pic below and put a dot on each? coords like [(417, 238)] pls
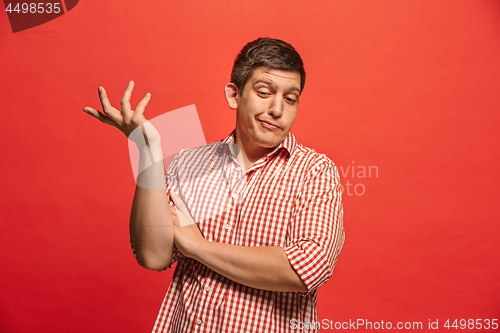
[(272, 84), (268, 82)]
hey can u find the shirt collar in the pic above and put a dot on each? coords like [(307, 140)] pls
[(228, 146)]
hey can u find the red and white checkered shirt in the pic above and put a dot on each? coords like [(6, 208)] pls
[(291, 198)]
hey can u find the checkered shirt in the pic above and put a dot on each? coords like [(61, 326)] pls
[(291, 198)]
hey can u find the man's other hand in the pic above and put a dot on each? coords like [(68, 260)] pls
[(187, 236)]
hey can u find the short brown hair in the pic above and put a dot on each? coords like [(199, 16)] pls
[(267, 52)]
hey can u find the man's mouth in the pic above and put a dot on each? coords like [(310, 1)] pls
[(269, 125)]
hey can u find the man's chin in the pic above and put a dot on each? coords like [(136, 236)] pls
[(270, 143)]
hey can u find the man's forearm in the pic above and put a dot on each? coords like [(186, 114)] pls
[(265, 267), (151, 231)]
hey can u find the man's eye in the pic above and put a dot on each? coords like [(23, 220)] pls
[(290, 100), (262, 93)]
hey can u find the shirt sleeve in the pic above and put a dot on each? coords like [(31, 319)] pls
[(315, 231)]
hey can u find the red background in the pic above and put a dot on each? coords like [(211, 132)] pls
[(410, 87)]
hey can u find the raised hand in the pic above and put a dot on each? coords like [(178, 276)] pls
[(127, 119)]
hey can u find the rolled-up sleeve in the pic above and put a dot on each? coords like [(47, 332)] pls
[(315, 231)]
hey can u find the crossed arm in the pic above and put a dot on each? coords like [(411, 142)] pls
[(155, 227)]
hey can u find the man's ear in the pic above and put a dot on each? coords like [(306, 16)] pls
[(231, 92)]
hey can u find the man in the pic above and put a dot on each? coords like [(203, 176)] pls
[(259, 221)]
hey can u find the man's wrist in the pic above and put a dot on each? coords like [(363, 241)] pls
[(198, 248), (145, 135)]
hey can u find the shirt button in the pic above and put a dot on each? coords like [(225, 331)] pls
[(198, 321), (208, 289), (234, 195), (226, 226)]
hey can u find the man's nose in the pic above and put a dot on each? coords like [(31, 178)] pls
[(276, 107)]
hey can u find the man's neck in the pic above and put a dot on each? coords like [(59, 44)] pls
[(248, 152)]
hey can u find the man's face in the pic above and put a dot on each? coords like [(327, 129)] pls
[(267, 107)]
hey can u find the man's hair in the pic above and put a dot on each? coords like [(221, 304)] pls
[(267, 52)]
